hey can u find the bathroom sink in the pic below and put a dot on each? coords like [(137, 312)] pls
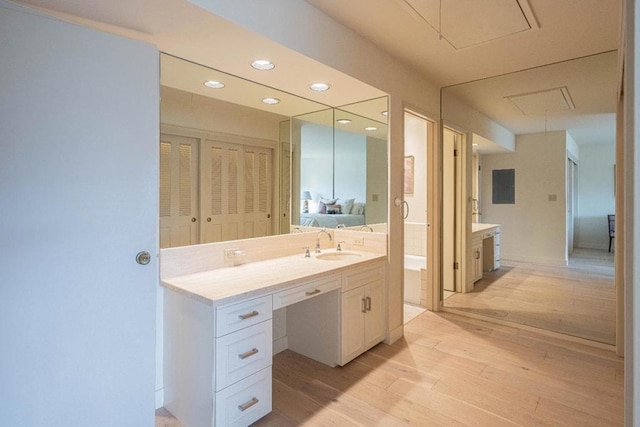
[(338, 256)]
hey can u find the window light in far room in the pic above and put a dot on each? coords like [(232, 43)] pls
[(319, 87), (263, 65)]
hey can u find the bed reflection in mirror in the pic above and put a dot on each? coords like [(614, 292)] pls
[(339, 164)]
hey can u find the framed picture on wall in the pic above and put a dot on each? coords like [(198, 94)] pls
[(408, 174)]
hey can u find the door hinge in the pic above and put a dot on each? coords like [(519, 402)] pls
[(456, 266), (455, 153)]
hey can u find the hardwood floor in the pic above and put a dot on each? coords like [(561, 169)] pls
[(577, 300), (450, 370)]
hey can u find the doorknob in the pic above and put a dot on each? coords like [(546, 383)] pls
[(143, 258)]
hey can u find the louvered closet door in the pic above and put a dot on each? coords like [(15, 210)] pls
[(178, 191), (235, 191), (221, 166), (257, 192)]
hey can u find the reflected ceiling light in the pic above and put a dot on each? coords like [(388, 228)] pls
[(371, 128), (271, 101), (214, 84), (474, 144), (385, 113), (343, 121), (263, 64), (319, 87)]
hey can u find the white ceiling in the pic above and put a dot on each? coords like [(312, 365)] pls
[(467, 40)]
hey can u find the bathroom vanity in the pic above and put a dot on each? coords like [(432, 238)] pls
[(485, 249), (218, 328)]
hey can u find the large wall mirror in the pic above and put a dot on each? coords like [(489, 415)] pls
[(340, 166), (230, 156), (554, 127)]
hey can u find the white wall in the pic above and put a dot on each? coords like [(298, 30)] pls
[(534, 228), (350, 178), (316, 160), (596, 197)]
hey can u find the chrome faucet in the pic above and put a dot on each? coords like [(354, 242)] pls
[(318, 239)]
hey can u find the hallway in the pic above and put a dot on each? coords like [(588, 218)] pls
[(577, 300)]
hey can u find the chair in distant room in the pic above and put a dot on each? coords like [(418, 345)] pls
[(612, 229)]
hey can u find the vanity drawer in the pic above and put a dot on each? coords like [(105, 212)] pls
[(243, 353), (234, 317), (306, 291), (355, 279), (244, 402)]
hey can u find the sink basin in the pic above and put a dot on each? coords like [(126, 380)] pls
[(338, 256)]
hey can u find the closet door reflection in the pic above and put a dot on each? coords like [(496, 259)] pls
[(178, 191)]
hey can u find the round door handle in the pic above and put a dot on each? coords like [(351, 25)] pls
[(193, 219), (209, 219), (143, 258)]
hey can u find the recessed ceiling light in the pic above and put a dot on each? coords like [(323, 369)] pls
[(343, 121), (319, 87), (385, 113), (271, 101), (214, 84), (263, 64), (371, 128)]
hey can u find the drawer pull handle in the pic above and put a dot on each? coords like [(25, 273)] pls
[(364, 305), (248, 353), (315, 291), (248, 315), (248, 404), (368, 303)]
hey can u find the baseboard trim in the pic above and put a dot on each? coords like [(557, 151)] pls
[(394, 335), (280, 345)]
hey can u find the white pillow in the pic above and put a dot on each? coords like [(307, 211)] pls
[(358, 209), (346, 205)]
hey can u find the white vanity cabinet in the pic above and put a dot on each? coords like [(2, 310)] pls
[(218, 330), (362, 323)]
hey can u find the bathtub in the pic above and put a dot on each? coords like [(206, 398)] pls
[(412, 284)]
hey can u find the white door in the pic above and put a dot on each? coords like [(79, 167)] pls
[(178, 191), (235, 191), (220, 191), (78, 196)]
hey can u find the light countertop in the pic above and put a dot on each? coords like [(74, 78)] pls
[(478, 227), (231, 284)]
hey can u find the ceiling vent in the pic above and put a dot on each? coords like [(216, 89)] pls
[(544, 101)]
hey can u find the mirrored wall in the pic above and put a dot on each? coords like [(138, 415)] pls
[(553, 129), (340, 166), (235, 157)]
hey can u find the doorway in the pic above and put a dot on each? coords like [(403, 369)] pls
[(419, 135)]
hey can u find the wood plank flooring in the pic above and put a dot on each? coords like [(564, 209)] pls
[(577, 300), (450, 370)]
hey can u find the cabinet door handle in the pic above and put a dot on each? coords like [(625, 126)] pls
[(315, 291), (248, 353), (248, 315), (248, 404), (477, 254), (368, 303), (364, 305)]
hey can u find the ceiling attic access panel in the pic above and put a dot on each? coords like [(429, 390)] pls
[(466, 23)]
